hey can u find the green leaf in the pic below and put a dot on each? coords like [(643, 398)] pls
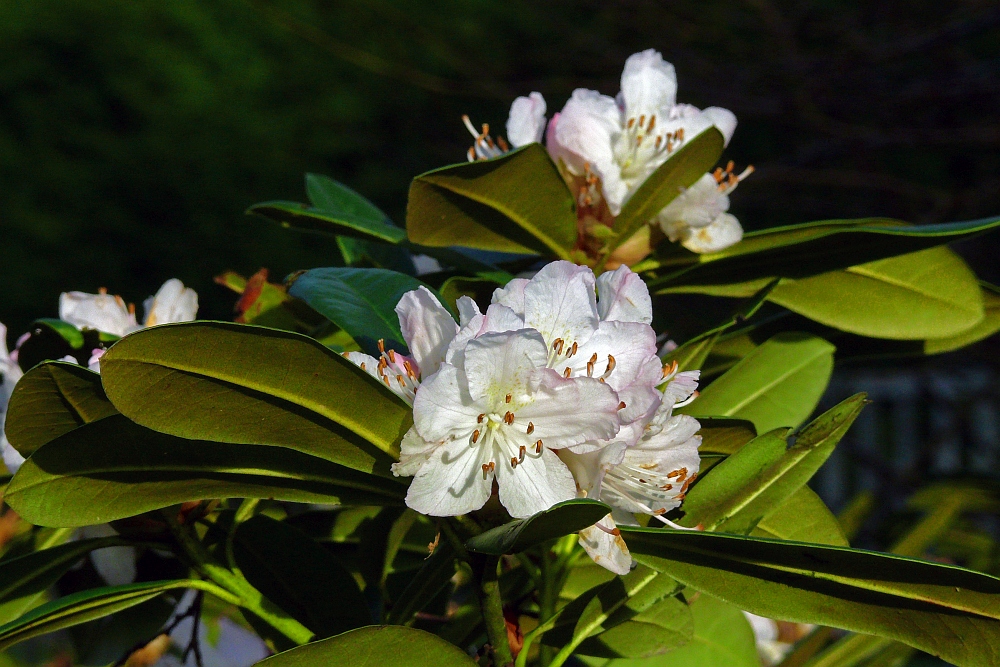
[(926, 294), (804, 517), (245, 384), (692, 354), (563, 518), (85, 606), (944, 610), (681, 171), (362, 302), (54, 339), (777, 384), (631, 616), (24, 579), (432, 577), (989, 325), (52, 399), (337, 209), (747, 486), (65, 330), (724, 436), (112, 469), (514, 203), (722, 638), (375, 646), (808, 249), (300, 576)]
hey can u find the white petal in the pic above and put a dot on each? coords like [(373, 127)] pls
[(632, 345), (526, 123), (560, 302), (607, 550), (589, 468), (500, 318), (696, 207), (567, 412), (414, 451), (497, 364), (451, 481), (103, 312), (467, 309), (116, 565), (172, 303), (653, 479), (443, 409), (724, 231), (673, 431), (623, 296), (649, 84), (536, 484), (512, 295), (680, 387), (428, 328), (724, 119), (11, 457), (581, 135)]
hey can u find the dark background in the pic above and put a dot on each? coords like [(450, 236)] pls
[(134, 134)]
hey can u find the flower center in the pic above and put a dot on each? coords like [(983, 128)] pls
[(484, 148), (641, 145)]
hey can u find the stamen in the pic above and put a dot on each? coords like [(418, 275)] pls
[(507, 398), (538, 447), (557, 345), (590, 369), (475, 436), (381, 345), (493, 466), (531, 428), (652, 123), (567, 372), (131, 309), (345, 355), (609, 531), (479, 419), (642, 119), (521, 452), (622, 406), (102, 290), (363, 366), (486, 469), (513, 462), (471, 154), (680, 474), (468, 125), (695, 394), (631, 122), (392, 356), (572, 350), (508, 418), (399, 379), (504, 146)]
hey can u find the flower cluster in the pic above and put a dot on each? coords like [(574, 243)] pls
[(554, 393), (103, 312), (606, 147)]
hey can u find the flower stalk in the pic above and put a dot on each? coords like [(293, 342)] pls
[(484, 569)]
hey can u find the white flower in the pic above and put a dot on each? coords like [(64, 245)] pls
[(497, 412), (697, 217), (623, 140), (428, 329), (525, 125), (109, 313), (651, 477)]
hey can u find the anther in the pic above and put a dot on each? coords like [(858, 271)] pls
[(557, 345), (381, 345), (593, 359), (513, 462), (590, 369), (486, 470), (567, 372), (345, 355), (622, 406), (507, 398), (102, 290), (572, 350), (475, 436), (531, 428), (521, 453), (652, 123), (363, 366), (538, 447), (479, 419), (504, 146), (631, 122), (399, 379), (493, 466), (508, 418)]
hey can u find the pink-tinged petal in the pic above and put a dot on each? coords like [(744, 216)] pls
[(623, 296), (526, 123), (581, 135), (649, 84), (103, 312), (413, 452), (451, 481), (567, 412), (497, 364), (537, 483), (671, 432), (631, 347), (696, 207), (172, 303), (561, 304), (681, 387), (443, 409), (512, 295), (427, 328), (724, 119), (605, 547), (724, 231)]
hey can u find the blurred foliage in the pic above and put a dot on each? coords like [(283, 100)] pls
[(133, 135)]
